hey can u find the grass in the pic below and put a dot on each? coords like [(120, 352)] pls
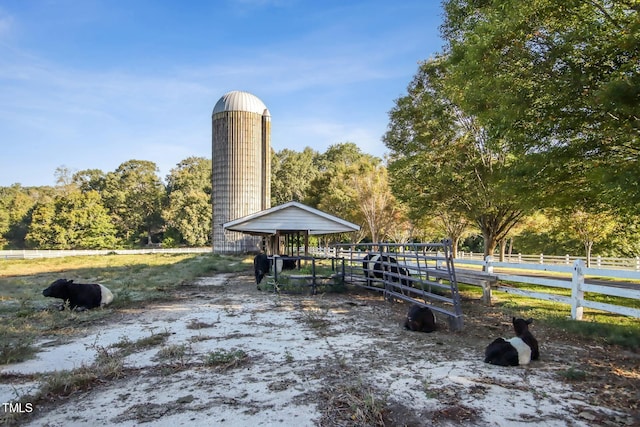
[(224, 359), (26, 316), (596, 325)]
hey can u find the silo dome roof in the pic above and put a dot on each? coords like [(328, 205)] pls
[(240, 101)]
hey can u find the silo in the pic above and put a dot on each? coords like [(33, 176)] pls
[(241, 158)]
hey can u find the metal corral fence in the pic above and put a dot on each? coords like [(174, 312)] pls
[(596, 261), (29, 254), (421, 273), (576, 277)]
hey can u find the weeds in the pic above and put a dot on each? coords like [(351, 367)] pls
[(573, 374), (225, 359), (353, 402)]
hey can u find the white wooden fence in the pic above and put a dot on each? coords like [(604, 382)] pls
[(596, 261), (29, 254), (576, 277)]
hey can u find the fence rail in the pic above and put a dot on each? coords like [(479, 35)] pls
[(29, 254), (610, 277), (575, 277), (597, 261)]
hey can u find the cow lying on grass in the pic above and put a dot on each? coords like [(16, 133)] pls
[(519, 350), (420, 319), (80, 296)]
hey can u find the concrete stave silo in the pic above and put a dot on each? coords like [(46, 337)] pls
[(241, 159)]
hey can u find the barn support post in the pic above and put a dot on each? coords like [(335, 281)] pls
[(577, 293)]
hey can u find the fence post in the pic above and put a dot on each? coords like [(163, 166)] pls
[(566, 259), (577, 294), (638, 263), (488, 264), (541, 258)]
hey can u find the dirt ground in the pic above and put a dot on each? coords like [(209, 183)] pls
[(237, 356)]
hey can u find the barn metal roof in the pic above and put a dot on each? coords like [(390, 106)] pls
[(240, 101), (288, 218)]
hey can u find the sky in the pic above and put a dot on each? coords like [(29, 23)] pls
[(91, 84)]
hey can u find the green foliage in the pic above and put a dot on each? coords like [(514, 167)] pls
[(134, 196), (74, 220), (444, 162), (292, 174), (189, 203), (559, 81)]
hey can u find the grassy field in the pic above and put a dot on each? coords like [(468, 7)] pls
[(26, 315)]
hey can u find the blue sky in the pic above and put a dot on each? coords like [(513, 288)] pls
[(90, 84)]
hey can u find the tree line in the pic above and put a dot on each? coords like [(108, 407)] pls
[(132, 206)]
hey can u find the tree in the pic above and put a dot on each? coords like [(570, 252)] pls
[(560, 80), (189, 201), (378, 207), (590, 228), (16, 204), (135, 196), (89, 179), (354, 186), (292, 174), (71, 220), (444, 163)]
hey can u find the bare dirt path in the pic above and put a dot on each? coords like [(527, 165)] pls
[(236, 356)]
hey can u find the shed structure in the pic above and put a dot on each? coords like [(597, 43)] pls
[(286, 221)]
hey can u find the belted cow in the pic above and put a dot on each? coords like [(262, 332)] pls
[(520, 350), (80, 296)]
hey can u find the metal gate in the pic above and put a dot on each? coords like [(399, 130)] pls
[(419, 273)]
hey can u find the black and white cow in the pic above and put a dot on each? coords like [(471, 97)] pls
[(520, 350), (420, 319), (261, 267), (81, 296), (375, 265)]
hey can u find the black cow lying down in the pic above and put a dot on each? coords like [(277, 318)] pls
[(520, 350), (421, 319), (81, 296)]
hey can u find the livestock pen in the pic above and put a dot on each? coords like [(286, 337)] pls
[(418, 273)]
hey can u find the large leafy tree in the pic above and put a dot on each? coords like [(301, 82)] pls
[(71, 220), (188, 209), (558, 80), (444, 163), (134, 195), (89, 179), (16, 204), (354, 186), (291, 174)]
